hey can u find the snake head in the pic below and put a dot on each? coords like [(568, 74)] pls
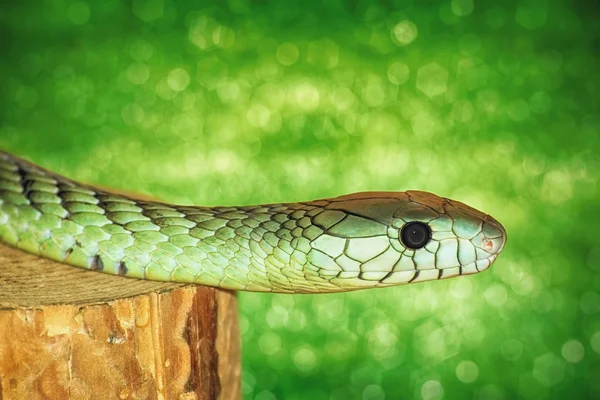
[(393, 238)]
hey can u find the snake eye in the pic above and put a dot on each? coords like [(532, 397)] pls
[(415, 235)]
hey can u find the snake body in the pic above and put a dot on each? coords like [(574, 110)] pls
[(330, 245)]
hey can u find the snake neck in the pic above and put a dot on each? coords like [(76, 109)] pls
[(260, 248)]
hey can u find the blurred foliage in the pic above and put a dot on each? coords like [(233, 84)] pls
[(240, 102)]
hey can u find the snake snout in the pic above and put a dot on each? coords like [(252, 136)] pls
[(495, 235)]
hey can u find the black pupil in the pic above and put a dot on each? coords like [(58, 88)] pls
[(415, 235)]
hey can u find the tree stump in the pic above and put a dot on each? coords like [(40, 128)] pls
[(69, 333)]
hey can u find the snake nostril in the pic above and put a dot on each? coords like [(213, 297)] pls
[(487, 245)]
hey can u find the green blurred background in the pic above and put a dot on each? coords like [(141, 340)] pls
[(241, 102)]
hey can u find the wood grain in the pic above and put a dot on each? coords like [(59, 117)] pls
[(67, 333)]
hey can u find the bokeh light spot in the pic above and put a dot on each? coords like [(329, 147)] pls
[(305, 359), (531, 14), (63, 75), (432, 80), (461, 288), (543, 303), (323, 53), (557, 187), (269, 343), (140, 50), (343, 99), (132, 114), (229, 91), (462, 111), (223, 37), (307, 96), (548, 369), (211, 71), (474, 330), (70, 102), (201, 32), (398, 72), (404, 33), (422, 124), (373, 392), (164, 91), (533, 166), (511, 349), (258, 115), (138, 73), (590, 303), (467, 371), (265, 395), (178, 79), (530, 388), (573, 351), (472, 73), (490, 392), (509, 63), (527, 285), (268, 69), (224, 161), (469, 44), (496, 295), (593, 258), (287, 54), (148, 10), (595, 342), (496, 17), (551, 61), (373, 94), (540, 102), (462, 8), (31, 64), (432, 390), (27, 97), (518, 110), (79, 13), (446, 14), (183, 125)]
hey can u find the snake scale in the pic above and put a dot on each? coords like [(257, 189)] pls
[(356, 241)]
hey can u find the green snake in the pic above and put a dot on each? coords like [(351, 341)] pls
[(356, 241)]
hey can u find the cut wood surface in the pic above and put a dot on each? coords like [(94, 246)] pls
[(69, 333)]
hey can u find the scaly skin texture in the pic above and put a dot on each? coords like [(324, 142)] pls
[(332, 245)]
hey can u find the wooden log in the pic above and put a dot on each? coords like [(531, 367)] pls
[(69, 333)]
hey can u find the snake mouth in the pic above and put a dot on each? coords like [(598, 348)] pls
[(421, 275), (478, 265), (471, 268)]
